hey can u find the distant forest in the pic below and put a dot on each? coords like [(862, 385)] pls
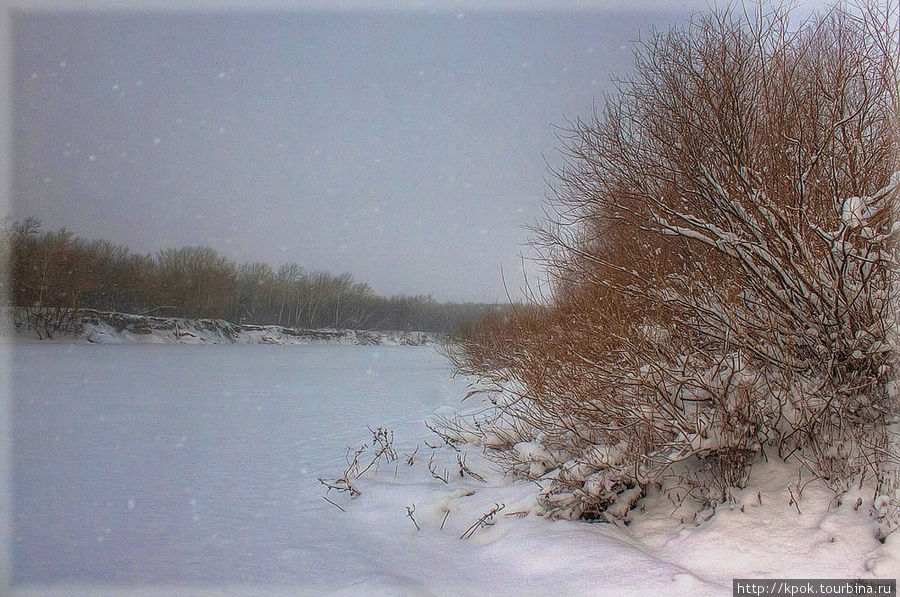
[(59, 269)]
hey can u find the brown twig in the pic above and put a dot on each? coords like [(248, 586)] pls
[(485, 520), (409, 513)]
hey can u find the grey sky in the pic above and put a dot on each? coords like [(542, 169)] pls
[(406, 148)]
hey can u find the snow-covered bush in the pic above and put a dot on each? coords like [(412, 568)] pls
[(724, 259)]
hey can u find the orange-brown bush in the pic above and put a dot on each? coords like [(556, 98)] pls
[(723, 252)]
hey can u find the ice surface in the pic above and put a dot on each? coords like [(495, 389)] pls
[(182, 464)]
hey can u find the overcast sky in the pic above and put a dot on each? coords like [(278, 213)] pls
[(405, 147)]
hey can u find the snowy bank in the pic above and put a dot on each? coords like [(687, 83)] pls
[(105, 327), (784, 524)]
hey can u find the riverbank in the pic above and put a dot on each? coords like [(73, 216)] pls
[(107, 327)]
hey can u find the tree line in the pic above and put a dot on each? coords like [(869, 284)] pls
[(58, 269)]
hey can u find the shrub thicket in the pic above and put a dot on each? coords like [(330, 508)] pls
[(723, 255)]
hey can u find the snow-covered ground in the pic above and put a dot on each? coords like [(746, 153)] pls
[(192, 470)]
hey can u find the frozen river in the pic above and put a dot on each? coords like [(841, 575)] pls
[(198, 464)]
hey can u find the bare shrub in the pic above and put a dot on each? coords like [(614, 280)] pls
[(50, 322), (360, 461), (723, 249)]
